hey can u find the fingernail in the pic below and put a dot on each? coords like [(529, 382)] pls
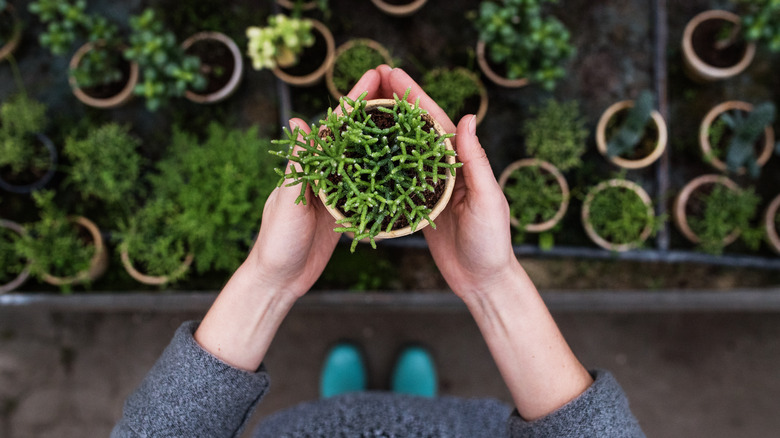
[(473, 125)]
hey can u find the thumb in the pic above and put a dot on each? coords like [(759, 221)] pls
[(476, 170)]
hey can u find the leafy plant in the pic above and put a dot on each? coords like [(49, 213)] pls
[(167, 71), (761, 20), (450, 88), (724, 211), (527, 42), (380, 168), (351, 64), (20, 119), (632, 130), (556, 133), (105, 164), (219, 185), (619, 215), (533, 194), (11, 264), (745, 131), (280, 42)]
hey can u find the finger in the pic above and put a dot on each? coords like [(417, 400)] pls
[(370, 81), (385, 91), (476, 171), (400, 82)]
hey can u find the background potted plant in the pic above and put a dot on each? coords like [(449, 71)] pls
[(221, 64), (378, 176), (10, 29), (555, 132), (713, 212), (280, 46), (761, 22), (632, 134), (714, 48), (28, 159), (516, 37), (14, 269), (458, 91), (399, 8), (731, 134), (618, 215), (772, 224), (352, 59)]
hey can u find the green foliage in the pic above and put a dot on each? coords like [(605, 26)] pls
[(280, 42), (725, 210), (53, 244), (154, 241), (527, 42), (449, 88), (378, 177), (20, 119), (219, 185), (11, 264), (745, 132), (632, 130), (105, 164), (761, 20), (556, 133), (167, 71), (351, 64), (619, 215), (533, 194)]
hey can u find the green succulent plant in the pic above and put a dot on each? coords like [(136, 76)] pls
[(20, 119), (280, 42), (741, 131), (628, 134), (450, 88), (556, 133), (761, 21), (724, 211)]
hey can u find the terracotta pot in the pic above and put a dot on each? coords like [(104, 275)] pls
[(681, 217), (238, 67), (695, 66), (105, 103), (16, 36), (334, 91), (401, 10), (770, 225), (492, 75), (29, 188), (25, 274), (97, 265), (150, 279), (316, 75), (440, 205), (704, 136), (290, 4), (591, 232), (601, 137), (549, 168), (483, 94)]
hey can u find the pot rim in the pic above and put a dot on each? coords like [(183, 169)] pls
[(316, 75), (601, 137), (399, 10), (769, 224), (681, 218), (695, 65), (591, 232), (25, 274), (491, 74), (98, 263), (561, 180), (287, 4), (238, 67), (16, 36), (118, 99), (375, 45), (483, 94), (153, 280)]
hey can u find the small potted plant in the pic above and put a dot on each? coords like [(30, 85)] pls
[(734, 136), (556, 133), (10, 29), (285, 42), (457, 91), (63, 251), (519, 44), (14, 269), (399, 8), (632, 134), (221, 63), (618, 215), (28, 159), (352, 59), (152, 249), (384, 168), (714, 48), (537, 193), (712, 212), (772, 224)]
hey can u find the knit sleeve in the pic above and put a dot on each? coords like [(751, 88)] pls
[(601, 411), (191, 393)]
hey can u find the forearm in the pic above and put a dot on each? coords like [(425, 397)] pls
[(534, 359)]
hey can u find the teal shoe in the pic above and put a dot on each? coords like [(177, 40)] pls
[(415, 373), (344, 371)]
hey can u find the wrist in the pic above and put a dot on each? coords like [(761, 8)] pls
[(510, 280)]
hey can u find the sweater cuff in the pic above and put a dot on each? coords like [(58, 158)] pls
[(190, 392), (601, 411)]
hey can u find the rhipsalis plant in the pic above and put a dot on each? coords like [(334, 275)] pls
[(743, 133), (556, 133), (280, 42), (625, 141), (723, 212), (383, 169)]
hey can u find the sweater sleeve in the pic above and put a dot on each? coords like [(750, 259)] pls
[(189, 392), (601, 411)]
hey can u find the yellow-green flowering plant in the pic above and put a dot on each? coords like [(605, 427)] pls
[(280, 43)]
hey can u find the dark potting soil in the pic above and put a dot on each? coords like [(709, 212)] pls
[(398, 2), (105, 91), (310, 59), (704, 40), (216, 64), (646, 143)]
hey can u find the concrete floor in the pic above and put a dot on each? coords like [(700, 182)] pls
[(687, 374)]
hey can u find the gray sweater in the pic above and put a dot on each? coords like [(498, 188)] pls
[(190, 393)]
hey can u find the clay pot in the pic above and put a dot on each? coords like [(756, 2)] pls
[(235, 78), (316, 75), (290, 4), (770, 224), (97, 265), (117, 100), (601, 137), (491, 74), (443, 200), (334, 91), (680, 203), (42, 181), (549, 168), (704, 136), (695, 66), (591, 232), (150, 279), (401, 10), (16, 36), (25, 274)]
